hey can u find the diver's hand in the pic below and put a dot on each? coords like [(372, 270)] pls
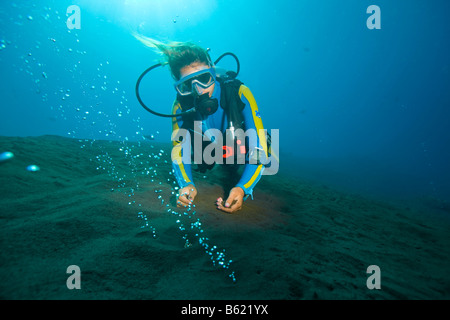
[(186, 196), (234, 201)]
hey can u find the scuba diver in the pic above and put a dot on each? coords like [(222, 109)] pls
[(207, 99)]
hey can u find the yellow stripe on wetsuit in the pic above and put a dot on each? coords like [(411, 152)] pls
[(243, 90), (176, 150)]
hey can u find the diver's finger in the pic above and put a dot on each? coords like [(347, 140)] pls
[(188, 196), (234, 197), (183, 201), (191, 194), (222, 208), (219, 201), (235, 206), (231, 201), (228, 210)]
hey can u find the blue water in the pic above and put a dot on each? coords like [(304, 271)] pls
[(363, 110)]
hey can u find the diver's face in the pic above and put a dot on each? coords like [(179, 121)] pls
[(194, 67)]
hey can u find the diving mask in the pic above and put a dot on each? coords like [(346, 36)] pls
[(203, 78)]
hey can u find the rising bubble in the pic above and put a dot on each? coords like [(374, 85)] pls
[(4, 156), (33, 168)]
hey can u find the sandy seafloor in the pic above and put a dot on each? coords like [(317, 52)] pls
[(295, 240)]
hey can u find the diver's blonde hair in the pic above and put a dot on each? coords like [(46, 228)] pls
[(177, 54)]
